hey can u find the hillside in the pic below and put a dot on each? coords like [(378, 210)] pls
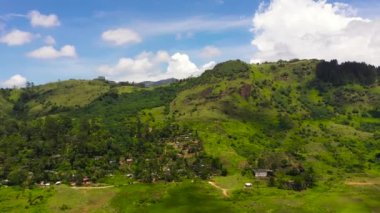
[(314, 125), (281, 109)]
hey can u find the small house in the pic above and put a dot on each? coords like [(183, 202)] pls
[(101, 78), (259, 173), (58, 183), (248, 185), (86, 180)]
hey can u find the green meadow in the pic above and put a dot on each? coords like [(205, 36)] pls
[(193, 196)]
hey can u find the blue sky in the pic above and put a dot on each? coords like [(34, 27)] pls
[(134, 40)]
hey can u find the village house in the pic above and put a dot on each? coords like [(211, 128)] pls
[(100, 78), (248, 185), (86, 180), (261, 173), (129, 160)]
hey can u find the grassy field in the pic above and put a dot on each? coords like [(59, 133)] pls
[(172, 197), (13, 199), (71, 93), (78, 200), (358, 194)]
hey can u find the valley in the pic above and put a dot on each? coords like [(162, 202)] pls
[(192, 145)]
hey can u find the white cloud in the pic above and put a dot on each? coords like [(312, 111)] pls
[(180, 67), (121, 36), (210, 65), (129, 65), (314, 29), (210, 51), (14, 81), (49, 52), (49, 40), (186, 28), (187, 35), (40, 20), (16, 37), (149, 66), (162, 56)]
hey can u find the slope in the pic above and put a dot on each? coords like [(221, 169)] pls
[(280, 116)]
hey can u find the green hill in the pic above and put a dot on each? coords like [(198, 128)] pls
[(314, 125), (281, 108)]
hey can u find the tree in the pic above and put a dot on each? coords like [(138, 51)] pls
[(285, 122), (17, 176), (346, 73)]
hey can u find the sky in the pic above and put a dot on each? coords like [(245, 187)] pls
[(137, 40)]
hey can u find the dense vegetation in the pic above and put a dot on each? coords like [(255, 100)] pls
[(311, 123), (347, 73), (56, 149)]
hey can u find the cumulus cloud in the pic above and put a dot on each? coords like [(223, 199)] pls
[(49, 40), (210, 51), (121, 36), (180, 67), (40, 20), (14, 81), (129, 65), (16, 37), (149, 66), (210, 65), (161, 56), (314, 29), (49, 52)]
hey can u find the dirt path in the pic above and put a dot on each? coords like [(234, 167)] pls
[(351, 183), (91, 187), (225, 191)]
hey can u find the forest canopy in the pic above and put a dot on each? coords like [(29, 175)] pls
[(347, 73)]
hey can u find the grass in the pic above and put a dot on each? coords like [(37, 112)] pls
[(232, 182), (197, 196), (55, 199), (173, 197), (66, 199), (320, 199), (201, 197), (155, 117), (14, 199), (71, 93)]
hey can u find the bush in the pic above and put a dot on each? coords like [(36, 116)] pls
[(64, 207)]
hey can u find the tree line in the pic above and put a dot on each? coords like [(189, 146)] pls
[(347, 73)]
